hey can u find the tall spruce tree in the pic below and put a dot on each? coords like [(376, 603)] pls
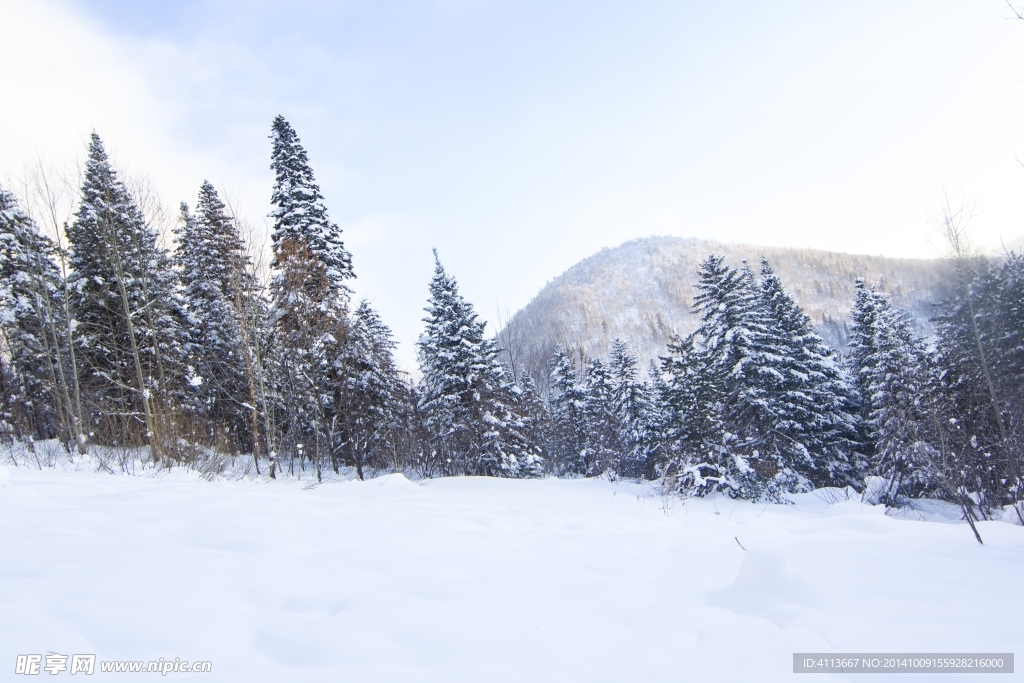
[(862, 350), (735, 338), (631, 405), (36, 396), (808, 404), (568, 419), (217, 288), (980, 350), (892, 369), (603, 445), (464, 391), (310, 303), (372, 394), (690, 431), (127, 313)]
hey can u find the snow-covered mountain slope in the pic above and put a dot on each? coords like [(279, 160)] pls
[(475, 579), (642, 290)]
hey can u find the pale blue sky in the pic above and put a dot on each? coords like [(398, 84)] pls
[(520, 137)]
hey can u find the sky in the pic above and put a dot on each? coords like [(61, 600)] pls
[(520, 137)]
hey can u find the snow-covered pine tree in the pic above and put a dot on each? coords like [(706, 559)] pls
[(517, 434), (895, 378), (1009, 307), (690, 431), (808, 405), (310, 302), (127, 313), (600, 419), (537, 417), (36, 396), (416, 440), (631, 404), (862, 352), (655, 423), (299, 213), (980, 350), (372, 394), (568, 419), (735, 339), (464, 391), (217, 288)]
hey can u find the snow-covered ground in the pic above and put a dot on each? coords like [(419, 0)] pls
[(474, 579)]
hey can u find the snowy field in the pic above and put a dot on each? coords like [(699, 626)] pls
[(474, 579)]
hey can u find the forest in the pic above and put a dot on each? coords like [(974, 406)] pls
[(114, 342)]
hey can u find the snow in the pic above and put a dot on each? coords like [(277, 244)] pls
[(478, 579)]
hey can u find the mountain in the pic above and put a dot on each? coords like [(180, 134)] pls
[(641, 292)]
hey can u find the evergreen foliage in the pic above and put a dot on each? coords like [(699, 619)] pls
[(217, 288), (310, 306), (978, 387), (891, 368), (372, 394), (197, 355), (127, 314), (569, 437), (753, 404), (31, 327), (735, 338), (299, 213), (631, 405), (690, 425), (603, 447), (809, 401), (466, 395)]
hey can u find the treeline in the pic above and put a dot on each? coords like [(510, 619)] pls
[(115, 341), (755, 405)]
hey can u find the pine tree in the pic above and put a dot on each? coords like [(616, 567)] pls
[(980, 350), (217, 288), (691, 431), (310, 304), (127, 313), (895, 381), (735, 338), (373, 392), (568, 419), (465, 395), (299, 213), (631, 405), (36, 397), (536, 415), (808, 404), (601, 421), (862, 350)]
